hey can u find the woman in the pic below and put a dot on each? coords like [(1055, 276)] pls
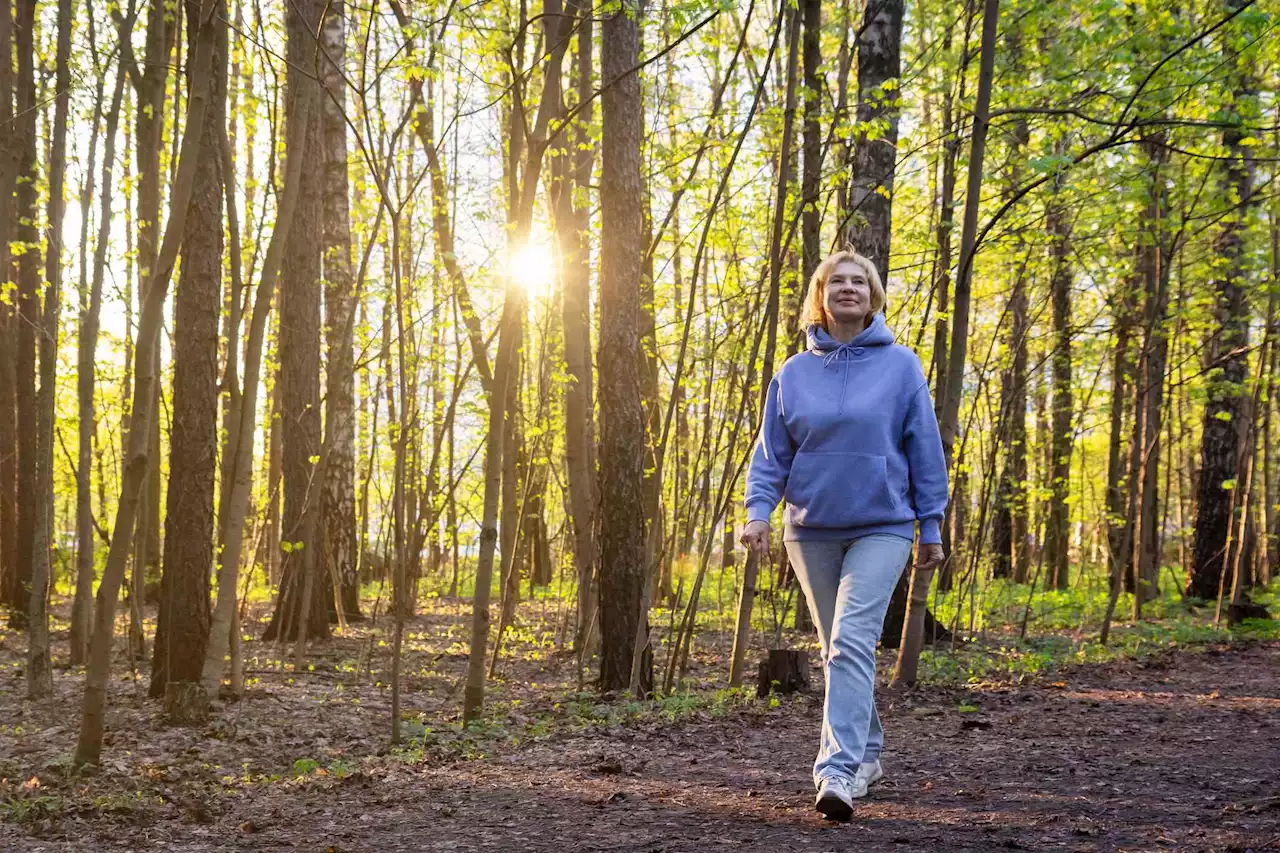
[(850, 441)]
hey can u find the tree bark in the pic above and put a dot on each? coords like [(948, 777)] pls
[(946, 230), (1057, 526), (150, 82), (1225, 408), (89, 745), (622, 545), (8, 328), (27, 276), (1009, 529), (473, 692), (1119, 522), (86, 359), (868, 222), (182, 627), (300, 286), (240, 445), (571, 175), (39, 660), (1155, 351), (810, 216), (341, 541)]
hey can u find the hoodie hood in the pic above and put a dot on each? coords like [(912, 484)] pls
[(875, 335)]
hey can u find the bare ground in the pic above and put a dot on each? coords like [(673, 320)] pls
[(1176, 752)]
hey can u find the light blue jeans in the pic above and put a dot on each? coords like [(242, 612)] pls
[(848, 585)]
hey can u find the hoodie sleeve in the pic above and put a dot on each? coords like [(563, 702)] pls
[(927, 465), (771, 460)]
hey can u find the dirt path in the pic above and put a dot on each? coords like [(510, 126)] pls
[(1176, 753)]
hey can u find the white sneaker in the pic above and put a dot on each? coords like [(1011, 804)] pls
[(869, 773), (835, 798)]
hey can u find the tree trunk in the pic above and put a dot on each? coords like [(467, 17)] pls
[(1009, 527), (945, 231), (622, 545), (785, 671), (1155, 352), (810, 216), (1119, 522), (573, 219), (240, 446), (869, 219), (747, 592), (86, 359), (275, 452), (653, 409), (39, 661), (1227, 349), (473, 695), (514, 472), (1057, 525), (341, 542), (1271, 483), (8, 328), (89, 745), (914, 622), (27, 276), (151, 81), (182, 626), (300, 287)]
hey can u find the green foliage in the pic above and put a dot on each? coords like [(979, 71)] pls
[(303, 766)]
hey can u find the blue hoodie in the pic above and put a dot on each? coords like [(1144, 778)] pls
[(850, 441)]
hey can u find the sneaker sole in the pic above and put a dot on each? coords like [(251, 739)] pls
[(834, 808)]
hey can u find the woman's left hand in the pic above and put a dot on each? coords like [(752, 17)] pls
[(929, 557)]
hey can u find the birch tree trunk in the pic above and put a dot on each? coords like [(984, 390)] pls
[(341, 541)]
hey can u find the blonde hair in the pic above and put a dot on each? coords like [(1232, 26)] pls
[(814, 312)]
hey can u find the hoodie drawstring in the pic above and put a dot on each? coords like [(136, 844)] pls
[(830, 357), (876, 334)]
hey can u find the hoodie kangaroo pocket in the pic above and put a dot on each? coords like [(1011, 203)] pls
[(839, 490)]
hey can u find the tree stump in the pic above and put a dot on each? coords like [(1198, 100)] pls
[(186, 703), (785, 671)]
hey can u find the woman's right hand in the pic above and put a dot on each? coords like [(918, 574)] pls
[(756, 537)]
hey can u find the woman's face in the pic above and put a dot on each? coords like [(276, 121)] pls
[(848, 294)]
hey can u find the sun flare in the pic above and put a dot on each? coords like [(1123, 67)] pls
[(533, 268)]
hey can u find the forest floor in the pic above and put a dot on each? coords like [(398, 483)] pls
[(1179, 750)]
